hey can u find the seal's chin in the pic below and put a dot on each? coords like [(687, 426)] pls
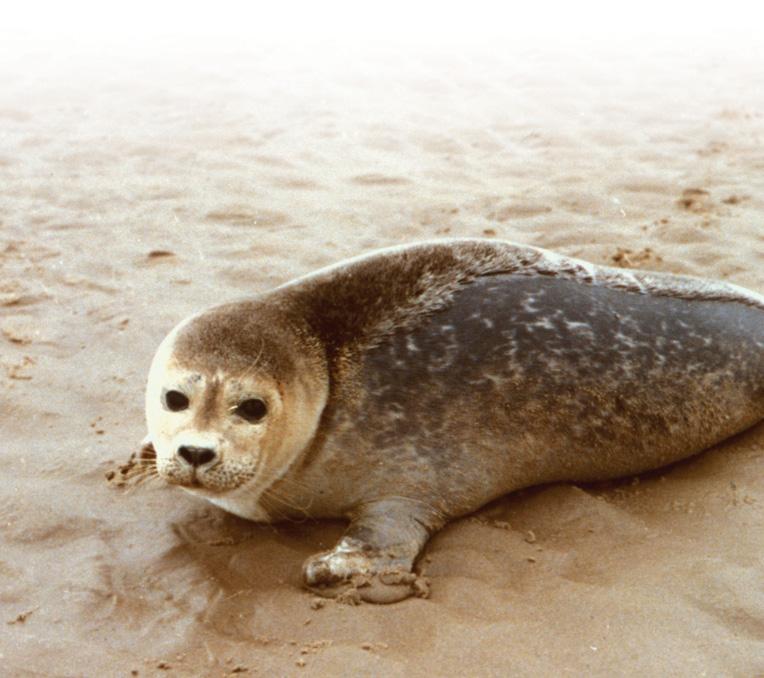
[(200, 490), (196, 483), (188, 481), (205, 486)]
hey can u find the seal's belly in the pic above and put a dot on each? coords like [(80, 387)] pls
[(551, 379)]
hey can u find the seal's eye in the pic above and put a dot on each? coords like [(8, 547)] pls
[(252, 410), (175, 401)]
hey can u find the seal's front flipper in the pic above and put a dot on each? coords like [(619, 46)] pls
[(374, 560)]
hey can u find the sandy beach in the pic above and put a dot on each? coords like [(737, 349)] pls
[(137, 189)]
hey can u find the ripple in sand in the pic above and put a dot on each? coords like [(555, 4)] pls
[(14, 115), (644, 186), (517, 211), (16, 293), (244, 217), (69, 226), (272, 161), (20, 330), (440, 145), (296, 184), (378, 180)]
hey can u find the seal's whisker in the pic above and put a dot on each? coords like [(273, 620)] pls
[(134, 473), (253, 365), (143, 477), (285, 499), (142, 469), (278, 478), (143, 472), (290, 505), (285, 483), (275, 513)]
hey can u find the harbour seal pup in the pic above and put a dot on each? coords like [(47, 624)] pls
[(410, 386)]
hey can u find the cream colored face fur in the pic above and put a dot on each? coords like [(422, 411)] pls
[(250, 456)]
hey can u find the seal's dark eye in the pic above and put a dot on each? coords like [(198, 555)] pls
[(175, 401), (252, 410)]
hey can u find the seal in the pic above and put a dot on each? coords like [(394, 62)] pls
[(410, 386)]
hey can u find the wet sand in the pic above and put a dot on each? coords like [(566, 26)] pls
[(136, 190)]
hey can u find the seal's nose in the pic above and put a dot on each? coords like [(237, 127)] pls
[(196, 456)]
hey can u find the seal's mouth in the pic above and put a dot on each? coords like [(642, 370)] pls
[(212, 481), (195, 481)]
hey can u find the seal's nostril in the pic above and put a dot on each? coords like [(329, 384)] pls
[(196, 456)]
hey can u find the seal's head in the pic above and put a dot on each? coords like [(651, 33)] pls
[(234, 396)]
